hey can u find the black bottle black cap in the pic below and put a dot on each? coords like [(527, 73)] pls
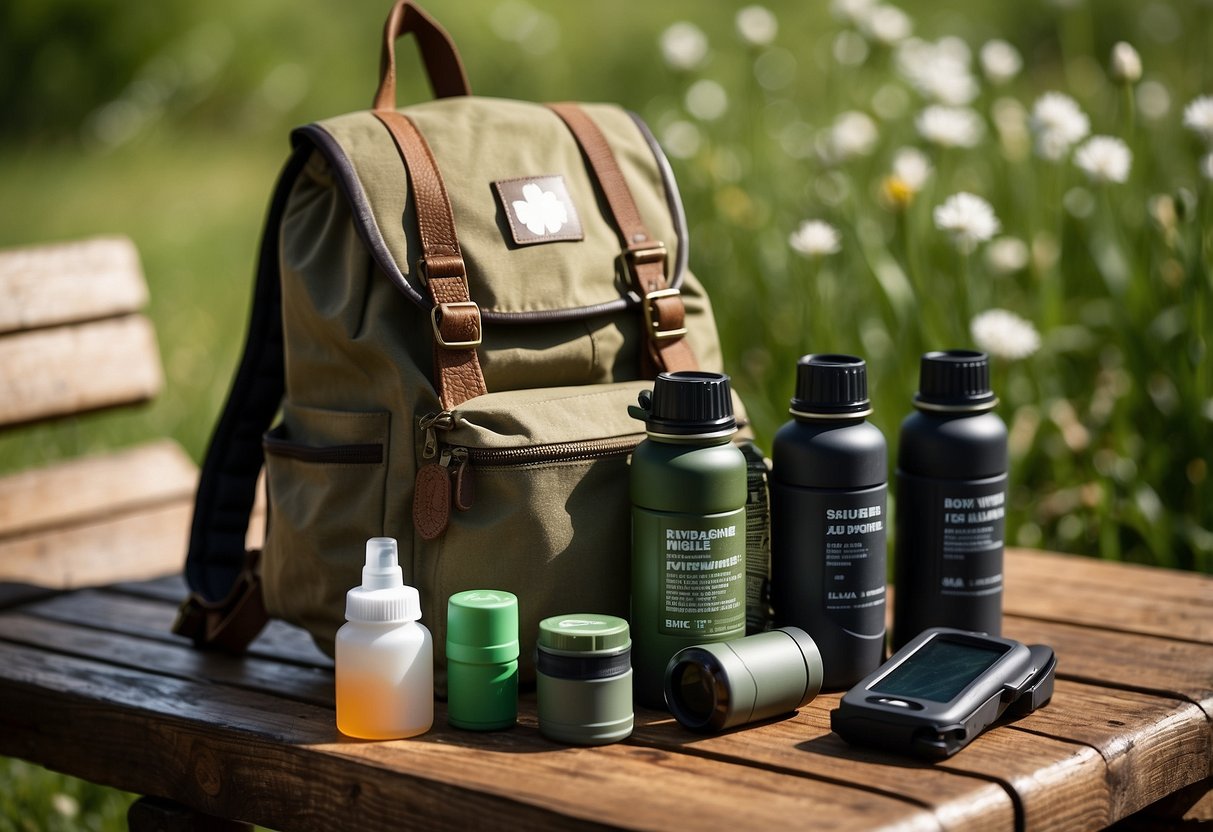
[(955, 380), (831, 387), (688, 403)]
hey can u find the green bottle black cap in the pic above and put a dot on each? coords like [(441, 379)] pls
[(955, 381), (687, 403), (831, 387)]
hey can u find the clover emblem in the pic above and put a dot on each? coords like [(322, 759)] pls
[(541, 212)]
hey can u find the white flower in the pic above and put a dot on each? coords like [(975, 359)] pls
[(969, 219), (1153, 100), (815, 238), (1000, 61), (852, 134), (849, 48), (1206, 166), (851, 11), (950, 126), (1104, 159), (1125, 64), (1007, 255), (1198, 117), (887, 25), (1057, 122), (939, 71), (912, 167), (541, 212), (756, 25), (681, 139), (1004, 334), (707, 100), (684, 45)]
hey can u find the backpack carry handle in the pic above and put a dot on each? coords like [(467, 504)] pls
[(438, 52)]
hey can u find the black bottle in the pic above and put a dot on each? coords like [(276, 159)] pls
[(828, 503), (951, 501)]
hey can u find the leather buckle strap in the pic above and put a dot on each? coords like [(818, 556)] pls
[(642, 256), (654, 323), (451, 318), (232, 623)]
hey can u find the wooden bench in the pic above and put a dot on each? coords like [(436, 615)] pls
[(93, 683), (72, 341)]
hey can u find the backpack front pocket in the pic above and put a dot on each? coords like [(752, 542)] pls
[(326, 472), (537, 504)]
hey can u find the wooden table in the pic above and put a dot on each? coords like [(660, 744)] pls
[(93, 684)]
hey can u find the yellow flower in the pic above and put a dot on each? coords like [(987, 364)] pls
[(896, 192)]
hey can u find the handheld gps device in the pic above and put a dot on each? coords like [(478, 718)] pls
[(943, 689)]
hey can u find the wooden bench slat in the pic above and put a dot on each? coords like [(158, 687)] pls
[(48, 285), (74, 369), (152, 619), (1118, 596), (255, 757), (96, 486), (174, 656), (1151, 664), (125, 546), (1120, 726)]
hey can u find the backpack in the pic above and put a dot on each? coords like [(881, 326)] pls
[(455, 303)]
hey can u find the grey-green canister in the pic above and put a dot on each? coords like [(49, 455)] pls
[(482, 659), (584, 679)]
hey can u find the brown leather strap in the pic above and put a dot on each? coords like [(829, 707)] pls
[(438, 52), (646, 258), (230, 624), (455, 318)]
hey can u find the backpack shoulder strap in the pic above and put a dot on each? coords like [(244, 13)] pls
[(225, 608), (645, 257)]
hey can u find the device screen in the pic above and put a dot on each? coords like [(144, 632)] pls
[(939, 670)]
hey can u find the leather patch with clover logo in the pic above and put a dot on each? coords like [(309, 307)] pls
[(539, 209)]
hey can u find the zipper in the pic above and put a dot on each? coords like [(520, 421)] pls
[(554, 452), (458, 460), (361, 454)]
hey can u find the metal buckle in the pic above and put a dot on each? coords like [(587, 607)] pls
[(649, 321), (634, 257), (456, 345)]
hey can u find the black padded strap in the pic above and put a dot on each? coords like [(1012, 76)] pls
[(228, 482)]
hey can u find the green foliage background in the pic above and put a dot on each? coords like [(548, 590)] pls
[(168, 122)]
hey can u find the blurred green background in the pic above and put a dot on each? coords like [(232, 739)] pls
[(168, 122)]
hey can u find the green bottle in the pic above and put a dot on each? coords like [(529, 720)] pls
[(688, 484), (482, 659)]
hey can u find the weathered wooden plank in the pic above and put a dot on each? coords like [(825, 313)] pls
[(1150, 664), (803, 743), (257, 758), (153, 618), (94, 487), (73, 369), (170, 656), (125, 546), (1115, 596), (1056, 784), (1152, 745), (60, 283)]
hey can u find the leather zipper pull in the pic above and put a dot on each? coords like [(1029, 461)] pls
[(432, 500), (464, 485)]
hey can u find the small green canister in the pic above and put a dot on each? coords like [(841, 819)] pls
[(482, 659), (584, 679)]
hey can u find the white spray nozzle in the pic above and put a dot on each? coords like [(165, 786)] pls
[(382, 569)]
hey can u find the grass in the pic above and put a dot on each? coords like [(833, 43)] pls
[(1111, 418)]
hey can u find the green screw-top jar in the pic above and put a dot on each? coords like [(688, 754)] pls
[(482, 659), (584, 679)]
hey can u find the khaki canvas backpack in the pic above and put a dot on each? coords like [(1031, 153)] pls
[(455, 304)]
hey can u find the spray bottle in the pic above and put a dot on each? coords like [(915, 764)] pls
[(384, 656)]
